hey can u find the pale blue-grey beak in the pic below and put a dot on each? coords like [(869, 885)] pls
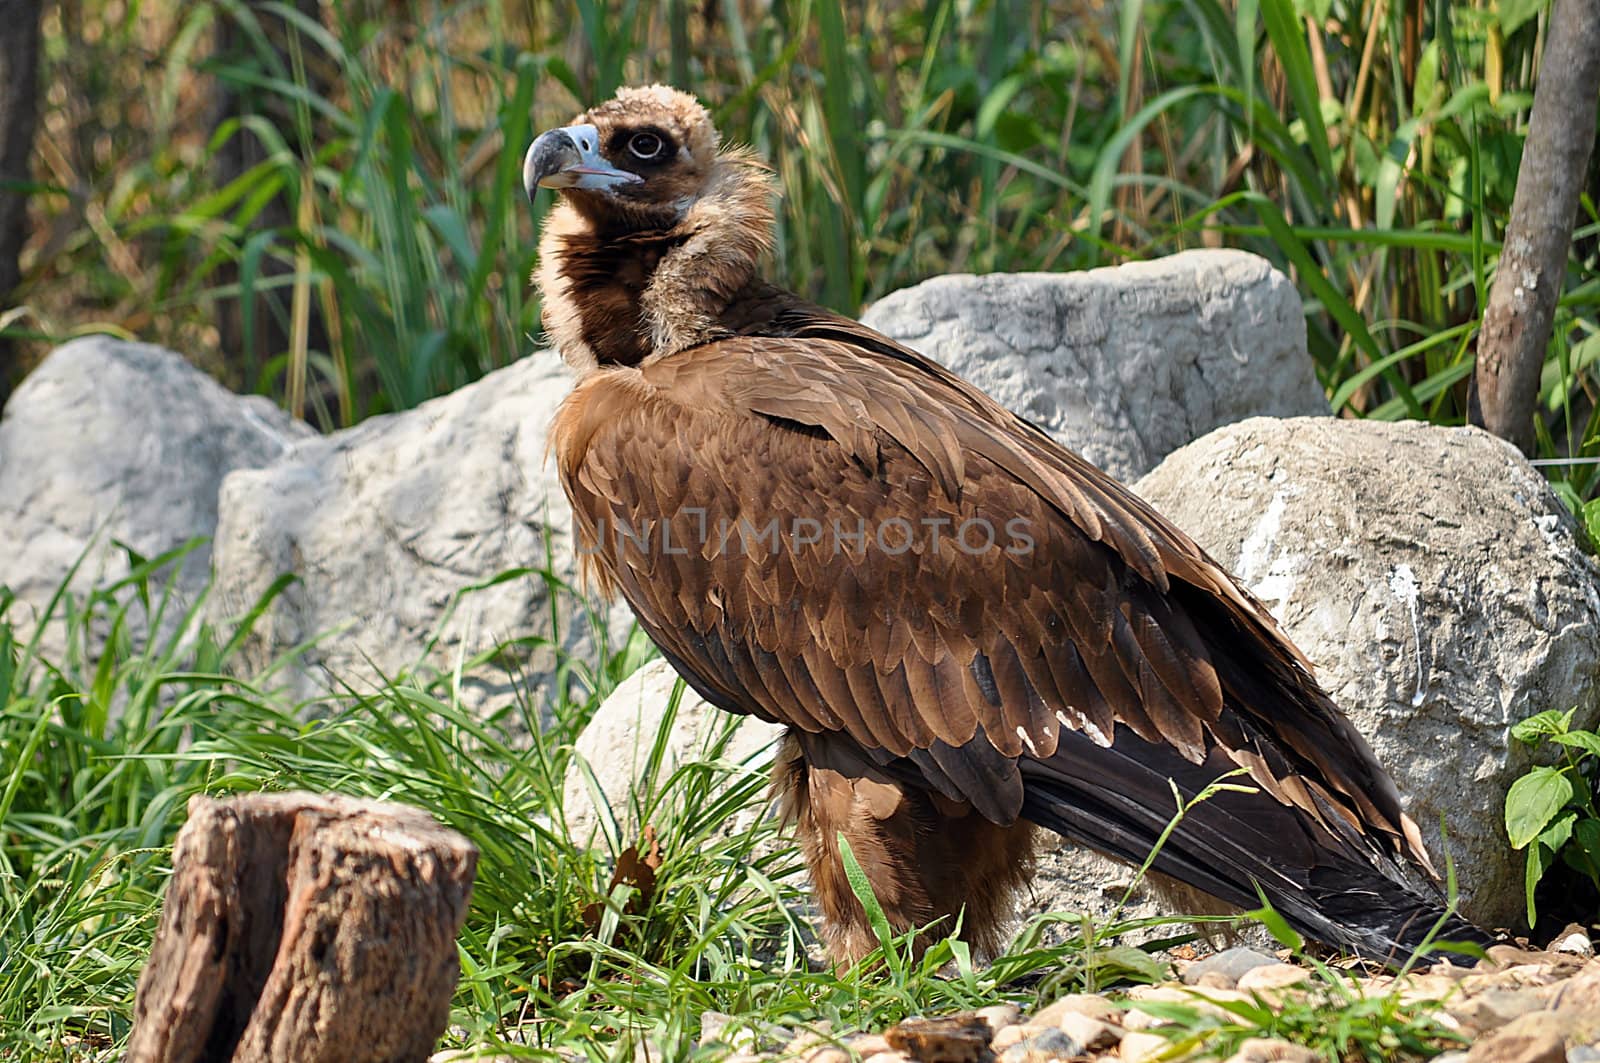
[(570, 158)]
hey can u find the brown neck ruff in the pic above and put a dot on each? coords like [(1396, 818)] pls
[(623, 282)]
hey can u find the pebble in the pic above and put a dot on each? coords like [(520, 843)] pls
[(1578, 944), (1096, 1007), (1494, 1008), (1137, 1047), (1091, 1033), (827, 1054), (1272, 1050), (952, 1039), (1049, 1044), (1229, 963), (1272, 976), (1008, 1036), (1506, 1046), (999, 1016), (868, 1044), (888, 1057)]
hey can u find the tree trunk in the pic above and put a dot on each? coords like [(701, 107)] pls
[(1522, 301), (304, 928), (19, 105)]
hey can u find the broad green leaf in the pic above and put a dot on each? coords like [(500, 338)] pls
[(1585, 847), (1533, 801), (1587, 741), (1591, 520), (1548, 722), (1558, 833), (1514, 14)]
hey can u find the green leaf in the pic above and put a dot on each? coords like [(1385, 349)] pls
[(1591, 520), (1586, 847), (1533, 801), (1289, 43), (1539, 861), (1557, 834), (1514, 14), (1548, 722), (1587, 741), (861, 886)]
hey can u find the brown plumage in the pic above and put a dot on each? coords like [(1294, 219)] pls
[(967, 629)]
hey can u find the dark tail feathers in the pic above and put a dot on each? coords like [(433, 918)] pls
[(1332, 886)]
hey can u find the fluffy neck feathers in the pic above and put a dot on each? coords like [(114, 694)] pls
[(621, 285)]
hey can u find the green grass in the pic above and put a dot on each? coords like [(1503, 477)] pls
[(101, 752), (1369, 148)]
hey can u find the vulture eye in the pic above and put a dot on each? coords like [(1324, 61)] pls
[(646, 146)]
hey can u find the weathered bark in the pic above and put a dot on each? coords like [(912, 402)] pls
[(19, 106), (304, 928), (1516, 323)]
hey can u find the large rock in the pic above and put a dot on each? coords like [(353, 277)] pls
[(109, 440), (1436, 585), (617, 743), (388, 527), (1124, 365)]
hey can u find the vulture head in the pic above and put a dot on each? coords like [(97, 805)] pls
[(658, 229)]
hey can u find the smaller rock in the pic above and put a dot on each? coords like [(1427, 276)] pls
[(1216, 980), (742, 1035), (1046, 1045), (1494, 1008), (1521, 1046), (1505, 956), (1584, 1054), (1138, 1046), (1578, 944), (814, 1035), (1522, 975), (1425, 987), (954, 1039), (888, 1057), (1091, 1033), (1446, 969), (1007, 1036), (999, 1016), (1451, 1057), (1137, 1021), (827, 1054), (1229, 963), (1272, 976), (1096, 1007), (868, 1044), (1272, 1050)]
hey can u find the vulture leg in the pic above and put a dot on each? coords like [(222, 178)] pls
[(930, 860)]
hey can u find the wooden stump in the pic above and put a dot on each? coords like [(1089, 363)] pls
[(300, 928)]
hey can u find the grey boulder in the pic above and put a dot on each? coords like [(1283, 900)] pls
[(1124, 364), (1435, 583), (109, 441), (418, 542), (616, 747)]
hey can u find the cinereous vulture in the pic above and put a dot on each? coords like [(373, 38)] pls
[(968, 630)]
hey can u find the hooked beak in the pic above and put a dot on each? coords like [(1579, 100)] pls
[(570, 158)]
